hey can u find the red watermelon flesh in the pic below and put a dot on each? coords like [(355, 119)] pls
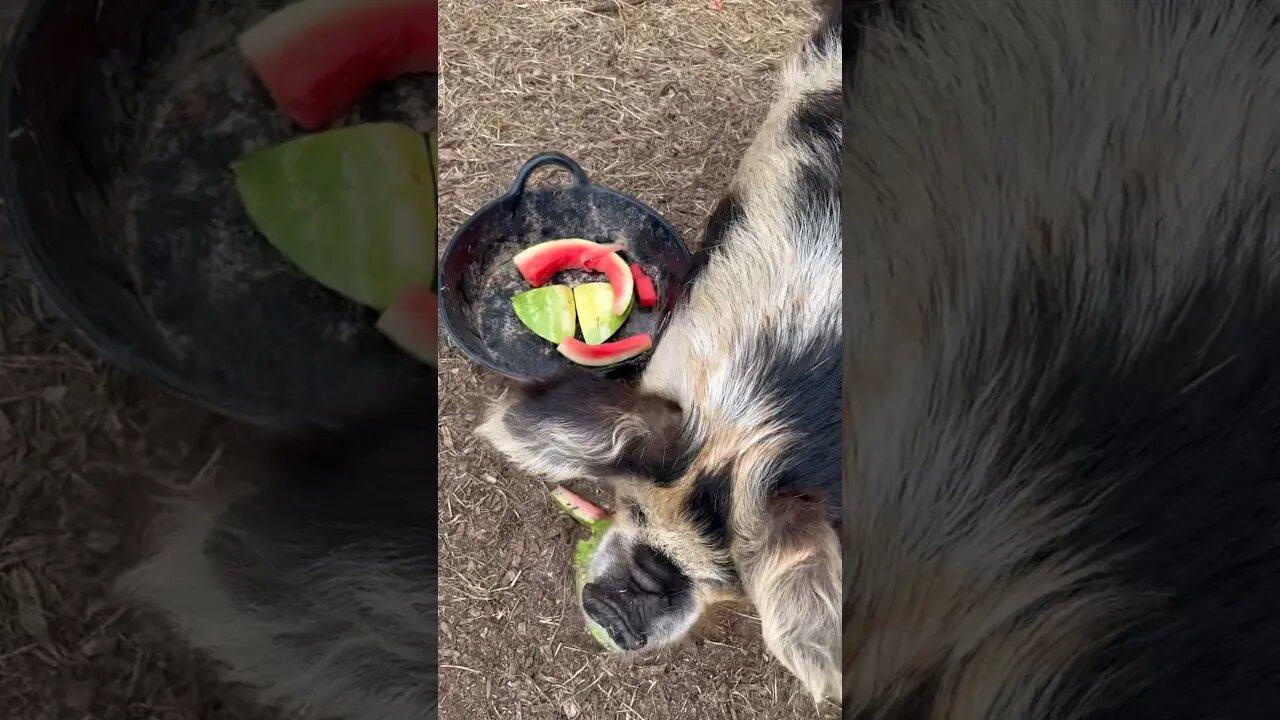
[(608, 353), (646, 294), (579, 509), (619, 275), (540, 263), (412, 322), (317, 57)]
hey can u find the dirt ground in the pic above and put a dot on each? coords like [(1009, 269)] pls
[(87, 457), (657, 99)]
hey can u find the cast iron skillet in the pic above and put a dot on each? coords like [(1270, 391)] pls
[(119, 120), (478, 279)]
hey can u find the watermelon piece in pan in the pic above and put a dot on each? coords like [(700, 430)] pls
[(646, 293), (412, 322), (609, 353), (317, 57)]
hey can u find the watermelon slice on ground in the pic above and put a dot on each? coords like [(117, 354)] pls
[(598, 522), (606, 354), (413, 323), (353, 208), (317, 57), (547, 311), (541, 262), (575, 506), (594, 303), (646, 294)]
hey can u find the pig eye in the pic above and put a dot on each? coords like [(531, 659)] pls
[(645, 581), (634, 511), (653, 573)]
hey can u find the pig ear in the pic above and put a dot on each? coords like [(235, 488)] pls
[(791, 570), (578, 425)]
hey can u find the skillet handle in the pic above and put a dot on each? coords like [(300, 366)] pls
[(548, 158)]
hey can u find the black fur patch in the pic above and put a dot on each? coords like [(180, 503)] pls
[(1178, 439), (806, 382), (919, 703), (817, 186), (320, 453), (708, 505), (1171, 437), (368, 477), (582, 399), (817, 122), (363, 488), (726, 215), (637, 513), (858, 15)]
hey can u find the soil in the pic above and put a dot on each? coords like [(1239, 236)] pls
[(657, 100), (88, 458)]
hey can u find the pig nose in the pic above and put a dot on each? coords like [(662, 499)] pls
[(601, 608)]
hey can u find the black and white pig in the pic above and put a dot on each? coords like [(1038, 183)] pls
[(726, 458)]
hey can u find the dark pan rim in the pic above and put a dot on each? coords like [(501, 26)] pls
[(250, 411), (514, 192)]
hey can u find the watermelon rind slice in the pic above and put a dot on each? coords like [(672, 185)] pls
[(412, 323), (539, 263), (610, 353), (317, 57), (598, 522), (354, 209), (594, 303), (620, 278), (549, 312), (646, 293)]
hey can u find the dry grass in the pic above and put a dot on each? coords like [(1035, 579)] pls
[(87, 457), (657, 99)]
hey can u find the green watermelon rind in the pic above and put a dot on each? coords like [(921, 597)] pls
[(313, 197), (568, 310), (597, 321), (583, 552)]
